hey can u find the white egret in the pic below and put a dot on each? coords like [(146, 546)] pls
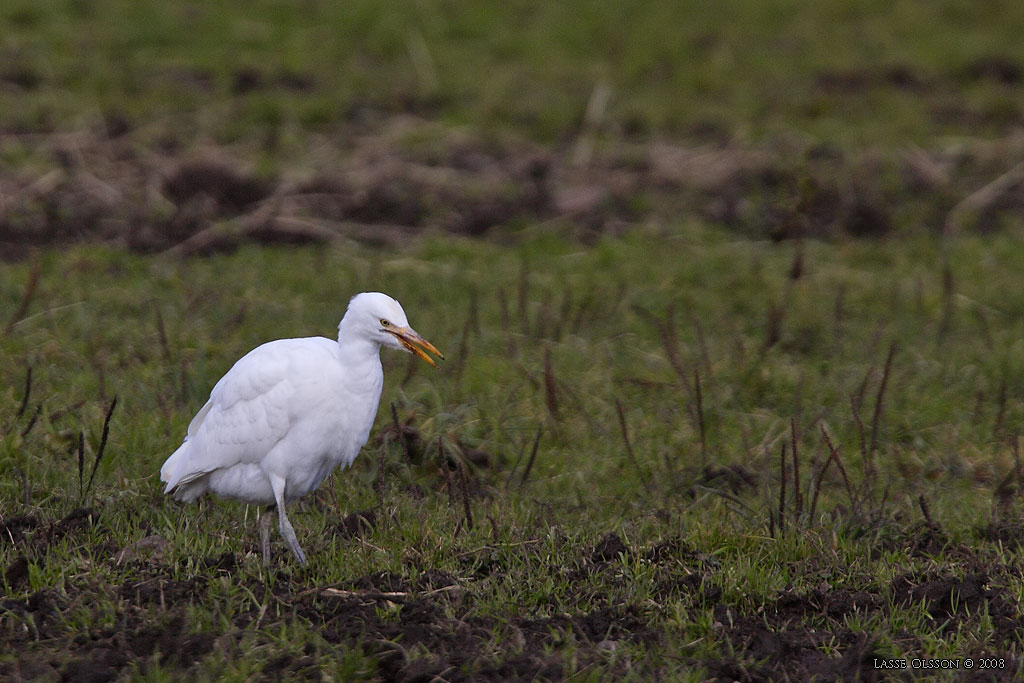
[(289, 412)]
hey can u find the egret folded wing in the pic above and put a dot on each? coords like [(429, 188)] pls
[(247, 414)]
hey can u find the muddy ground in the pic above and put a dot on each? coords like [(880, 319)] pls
[(432, 626), (382, 183)]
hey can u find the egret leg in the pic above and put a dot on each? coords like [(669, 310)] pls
[(283, 525), (266, 519)]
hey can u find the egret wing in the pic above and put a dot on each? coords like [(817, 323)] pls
[(249, 411)]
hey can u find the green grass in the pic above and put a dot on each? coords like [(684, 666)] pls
[(865, 73), (92, 332), (669, 557)]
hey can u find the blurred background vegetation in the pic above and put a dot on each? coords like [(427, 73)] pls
[(862, 72)]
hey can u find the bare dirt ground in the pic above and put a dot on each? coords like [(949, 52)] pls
[(406, 176)]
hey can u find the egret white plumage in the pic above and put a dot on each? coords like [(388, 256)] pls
[(289, 412)]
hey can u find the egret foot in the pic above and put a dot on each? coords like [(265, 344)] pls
[(289, 535)]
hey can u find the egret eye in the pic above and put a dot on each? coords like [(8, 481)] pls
[(384, 323)]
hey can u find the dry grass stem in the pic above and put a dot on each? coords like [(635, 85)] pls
[(26, 297)]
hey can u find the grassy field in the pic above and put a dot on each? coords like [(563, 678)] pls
[(673, 556), (734, 376)]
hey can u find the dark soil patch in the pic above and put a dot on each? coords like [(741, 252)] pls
[(36, 535), (609, 548), (898, 76), (169, 644), (356, 524), (163, 591), (1008, 532), (76, 520), (17, 573), (390, 582), (832, 604), (791, 652), (14, 528), (995, 68), (230, 188), (109, 652), (36, 616), (604, 625), (953, 599)]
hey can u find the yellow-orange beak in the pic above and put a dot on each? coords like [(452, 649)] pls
[(408, 338)]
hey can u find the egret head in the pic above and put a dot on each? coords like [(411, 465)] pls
[(381, 319)]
